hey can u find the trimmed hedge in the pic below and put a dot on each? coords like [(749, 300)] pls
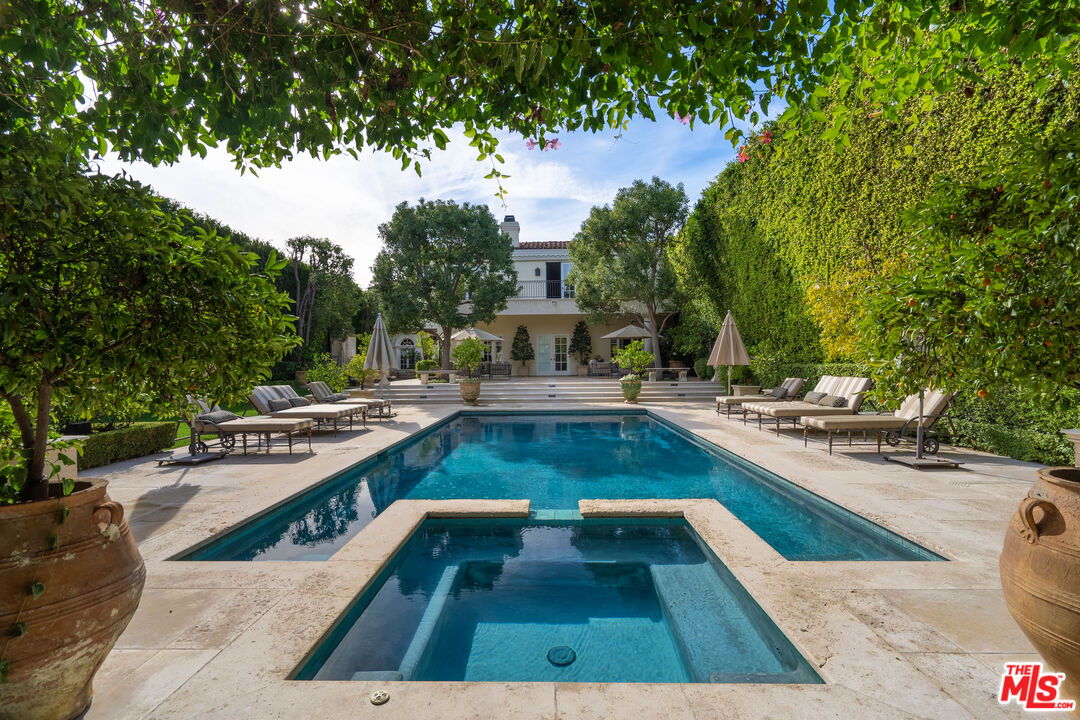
[(136, 440)]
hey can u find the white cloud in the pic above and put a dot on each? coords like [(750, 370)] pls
[(345, 199)]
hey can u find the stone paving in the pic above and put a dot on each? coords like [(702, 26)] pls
[(891, 639)]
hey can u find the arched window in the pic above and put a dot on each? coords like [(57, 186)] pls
[(407, 354)]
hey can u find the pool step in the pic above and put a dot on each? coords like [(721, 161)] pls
[(509, 392), (713, 626), (414, 654)]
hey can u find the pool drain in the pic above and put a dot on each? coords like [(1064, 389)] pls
[(561, 655)]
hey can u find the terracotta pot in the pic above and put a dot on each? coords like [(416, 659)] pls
[(1040, 571), (631, 388), (470, 389), (92, 585)]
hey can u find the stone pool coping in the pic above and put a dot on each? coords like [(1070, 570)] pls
[(891, 639)]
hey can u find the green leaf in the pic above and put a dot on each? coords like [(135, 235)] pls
[(37, 589)]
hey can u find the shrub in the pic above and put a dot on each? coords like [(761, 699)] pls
[(468, 354), (634, 357), (703, 369), (427, 365), (133, 441), (522, 350), (324, 369), (581, 343)]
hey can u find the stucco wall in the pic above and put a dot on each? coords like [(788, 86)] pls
[(506, 325)]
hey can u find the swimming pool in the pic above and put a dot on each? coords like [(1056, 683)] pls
[(554, 460), (600, 600)]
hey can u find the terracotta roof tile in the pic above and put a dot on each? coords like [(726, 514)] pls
[(545, 245)]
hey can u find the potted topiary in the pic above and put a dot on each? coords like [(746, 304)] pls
[(522, 350), (581, 347), (634, 357), (424, 367), (96, 315), (467, 356)]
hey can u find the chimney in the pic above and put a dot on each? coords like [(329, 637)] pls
[(510, 226)]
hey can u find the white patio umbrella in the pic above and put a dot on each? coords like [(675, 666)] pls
[(481, 335), (630, 332), (380, 354), (728, 348), (477, 333)]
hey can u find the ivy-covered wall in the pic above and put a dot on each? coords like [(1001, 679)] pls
[(787, 238), (783, 238)]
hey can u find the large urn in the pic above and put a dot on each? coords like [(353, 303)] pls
[(1040, 571), (70, 579)]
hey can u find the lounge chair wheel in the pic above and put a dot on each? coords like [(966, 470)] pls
[(201, 447), (892, 438), (930, 445), (228, 442)]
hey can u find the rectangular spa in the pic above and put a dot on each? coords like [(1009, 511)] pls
[(599, 600), (554, 460)]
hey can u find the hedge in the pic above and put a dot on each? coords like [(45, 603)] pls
[(135, 440), (800, 218), (787, 239)]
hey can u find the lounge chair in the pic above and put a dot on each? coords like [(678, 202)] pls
[(787, 390), (849, 390), (373, 407), (268, 400), (892, 426), (226, 425)]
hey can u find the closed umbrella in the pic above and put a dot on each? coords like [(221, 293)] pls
[(380, 355), (728, 349)]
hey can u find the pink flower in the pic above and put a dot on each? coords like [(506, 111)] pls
[(743, 156), (683, 120), (553, 144), (766, 137), (530, 143)]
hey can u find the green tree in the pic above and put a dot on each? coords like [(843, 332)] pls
[(322, 275), (621, 256), (634, 358), (989, 288), (581, 342), (428, 346), (443, 263), (328, 76), (468, 354), (522, 349), (102, 298)]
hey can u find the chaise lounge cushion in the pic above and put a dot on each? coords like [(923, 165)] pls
[(842, 423)]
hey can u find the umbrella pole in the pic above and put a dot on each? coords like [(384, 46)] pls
[(728, 379), (919, 429)]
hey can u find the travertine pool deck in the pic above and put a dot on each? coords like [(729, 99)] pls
[(891, 639)]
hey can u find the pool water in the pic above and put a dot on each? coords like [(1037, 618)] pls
[(554, 460), (591, 601)]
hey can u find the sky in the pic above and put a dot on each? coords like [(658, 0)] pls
[(345, 199)]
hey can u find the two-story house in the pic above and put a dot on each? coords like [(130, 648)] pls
[(544, 304)]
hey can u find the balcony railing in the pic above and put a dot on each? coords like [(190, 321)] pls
[(543, 289)]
